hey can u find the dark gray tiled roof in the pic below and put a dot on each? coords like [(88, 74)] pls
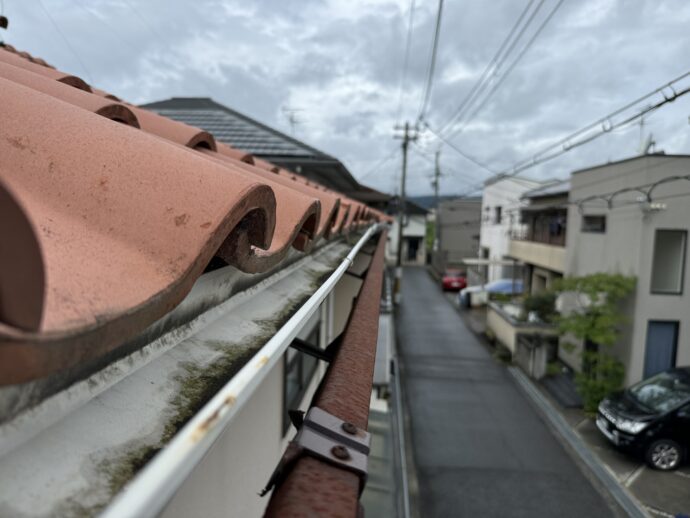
[(244, 133), (233, 128)]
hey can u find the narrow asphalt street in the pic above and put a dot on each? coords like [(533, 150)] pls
[(480, 447)]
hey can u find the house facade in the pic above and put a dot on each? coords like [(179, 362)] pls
[(413, 248), (539, 243), (632, 217), (457, 228), (500, 219)]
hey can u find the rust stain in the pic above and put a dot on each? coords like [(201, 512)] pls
[(203, 429), (182, 219), (262, 361)]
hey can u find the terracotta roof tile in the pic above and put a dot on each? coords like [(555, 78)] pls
[(237, 154), (107, 226), (93, 103), (116, 247), (177, 132), (16, 60)]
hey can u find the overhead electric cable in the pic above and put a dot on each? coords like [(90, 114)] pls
[(380, 163), (460, 151), (495, 64), (67, 43), (406, 62), (602, 126), (432, 64), (104, 21), (503, 77), (419, 152)]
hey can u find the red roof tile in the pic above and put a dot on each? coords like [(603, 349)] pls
[(16, 60), (88, 101), (106, 226)]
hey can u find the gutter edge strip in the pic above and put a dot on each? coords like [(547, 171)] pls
[(148, 493)]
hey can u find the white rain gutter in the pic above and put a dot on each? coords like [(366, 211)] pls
[(154, 486)]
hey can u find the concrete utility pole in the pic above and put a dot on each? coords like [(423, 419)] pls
[(437, 177), (409, 134), (437, 213)]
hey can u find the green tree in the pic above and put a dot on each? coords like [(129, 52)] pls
[(596, 319)]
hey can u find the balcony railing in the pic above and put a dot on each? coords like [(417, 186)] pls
[(549, 229)]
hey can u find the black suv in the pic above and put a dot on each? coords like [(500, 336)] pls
[(651, 418)]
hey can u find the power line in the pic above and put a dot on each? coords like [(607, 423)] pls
[(379, 163), (602, 126), (403, 78), (484, 78), (67, 43), (105, 22), (159, 38), (432, 64), (419, 152), (460, 151), (503, 77)]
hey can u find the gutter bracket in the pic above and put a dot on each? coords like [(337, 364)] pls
[(330, 439), (327, 354)]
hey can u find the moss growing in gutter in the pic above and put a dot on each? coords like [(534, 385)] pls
[(197, 385)]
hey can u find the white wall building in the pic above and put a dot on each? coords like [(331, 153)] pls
[(617, 231), (500, 218), (413, 236)]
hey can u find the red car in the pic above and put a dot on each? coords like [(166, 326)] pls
[(453, 280)]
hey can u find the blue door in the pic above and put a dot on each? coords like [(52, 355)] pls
[(660, 353)]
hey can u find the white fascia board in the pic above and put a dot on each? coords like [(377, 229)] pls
[(74, 452)]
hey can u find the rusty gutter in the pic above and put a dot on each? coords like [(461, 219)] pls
[(148, 493), (315, 487)]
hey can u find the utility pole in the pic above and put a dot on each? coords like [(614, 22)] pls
[(409, 134), (436, 184), (437, 176)]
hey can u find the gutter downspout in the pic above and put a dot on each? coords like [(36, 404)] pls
[(152, 488)]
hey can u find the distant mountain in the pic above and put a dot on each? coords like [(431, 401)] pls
[(428, 202)]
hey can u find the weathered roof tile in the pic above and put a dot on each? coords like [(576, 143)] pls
[(106, 225)]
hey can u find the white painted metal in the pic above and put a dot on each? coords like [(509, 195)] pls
[(150, 490)]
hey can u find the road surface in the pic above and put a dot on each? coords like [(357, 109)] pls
[(480, 447)]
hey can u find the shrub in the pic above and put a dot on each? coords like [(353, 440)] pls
[(543, 304), (596, 322)]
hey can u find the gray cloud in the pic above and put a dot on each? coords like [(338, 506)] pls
[(340, 63)]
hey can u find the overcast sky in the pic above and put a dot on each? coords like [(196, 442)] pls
[(339, 63)]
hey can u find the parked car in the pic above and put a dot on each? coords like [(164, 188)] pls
[(504, 286), (651, 418), (453, 280)]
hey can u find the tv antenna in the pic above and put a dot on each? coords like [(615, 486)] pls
[(292, 118)]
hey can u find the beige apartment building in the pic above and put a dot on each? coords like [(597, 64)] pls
[(632, 217)]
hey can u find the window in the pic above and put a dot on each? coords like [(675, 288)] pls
[(299, 371), (594, 224), (668, 264), (499, 215)]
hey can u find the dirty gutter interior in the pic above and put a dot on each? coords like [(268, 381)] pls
[(71, 453)]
